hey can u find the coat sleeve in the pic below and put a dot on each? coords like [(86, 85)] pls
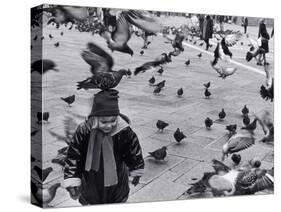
[(132, 153), (73, 167)]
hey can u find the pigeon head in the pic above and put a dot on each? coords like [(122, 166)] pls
[(255, 162)]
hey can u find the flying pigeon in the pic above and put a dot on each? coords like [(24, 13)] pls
[(103, 77), (225, 71)]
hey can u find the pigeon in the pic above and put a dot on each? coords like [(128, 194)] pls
[(201, 44), (162, 59), (225, 71), (246, 119), (57, 44), (44, 196), (42, 117), (236, 158), (187, 63), (160, 70), (241, 43), (35, 38), (255, 163), (159, 154), (160, 84), (266, 123), (222, 114), (221, 52), (236, 143), (103, 77), (177, 41), (180, 92), (227, 182), (34, 132), (245, 110), (231, 129), (43, 66), (43, 174), (208, 123), (252, 126), (117, 40), (69, 100), (141, 52), (179, 136), (207, 85), (207, 93), (199, 55), (152, 80), (61, 33), (161, 125), (175, 53), (195, 42), (157, 90), (50, 36)]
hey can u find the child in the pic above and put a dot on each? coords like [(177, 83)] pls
[(102, 152)]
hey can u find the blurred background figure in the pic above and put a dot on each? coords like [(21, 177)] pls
[(221, 20), (207, 30), (263, 42), (245, 24)]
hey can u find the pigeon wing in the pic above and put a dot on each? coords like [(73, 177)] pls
[(122, 33), (264, 181), (240, 142), (142, 21), (232, 39)]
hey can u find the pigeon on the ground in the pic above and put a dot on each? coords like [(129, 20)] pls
[(179, 135), (208, 123), (222, 114), (160, 70), (159, 154), (152, 80), (245, 110), (141, 52), (187, 63), (160, 84), (161, 125), (69, 100), (199, 55), (57, 44), (51, 36), (180, 92), (207, 93), (43, 66), (61, 33), (103, 77), (246, 120), (157, 90), (236, 158)]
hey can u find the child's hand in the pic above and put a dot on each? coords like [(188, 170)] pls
[(74, 192), (136, 180)]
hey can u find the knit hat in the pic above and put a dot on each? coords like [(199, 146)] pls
[(105, 103)]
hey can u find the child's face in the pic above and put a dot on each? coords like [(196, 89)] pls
[(107, 123)]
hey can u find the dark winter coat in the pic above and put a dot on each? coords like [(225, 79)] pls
[(265, 37), (128, 157)]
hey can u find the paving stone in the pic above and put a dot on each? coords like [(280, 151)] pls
[(154, 169), (158, 190)]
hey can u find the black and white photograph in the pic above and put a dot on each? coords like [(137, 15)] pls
[(131, 105)]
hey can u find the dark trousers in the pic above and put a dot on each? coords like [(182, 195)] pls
[(245, 29)]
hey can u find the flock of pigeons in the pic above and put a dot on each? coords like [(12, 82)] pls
[(224, 180)]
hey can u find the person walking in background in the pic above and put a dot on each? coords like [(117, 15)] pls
[(245, 24), (207, 30), (201, 25), (221, 20), (263, 40)]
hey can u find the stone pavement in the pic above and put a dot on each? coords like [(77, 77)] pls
[(166, 180)]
